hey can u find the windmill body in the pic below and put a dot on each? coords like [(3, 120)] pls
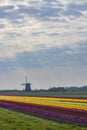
[(27, 86)]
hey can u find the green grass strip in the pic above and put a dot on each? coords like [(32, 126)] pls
[(11, 120)]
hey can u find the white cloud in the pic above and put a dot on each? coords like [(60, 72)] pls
[(26, 25)]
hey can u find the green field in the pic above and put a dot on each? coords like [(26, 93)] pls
[(11, 120), (64, 93)]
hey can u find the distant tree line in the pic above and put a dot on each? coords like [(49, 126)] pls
[(51, 89), (61, 89)]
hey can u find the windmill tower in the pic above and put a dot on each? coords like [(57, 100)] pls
[(27, 86)]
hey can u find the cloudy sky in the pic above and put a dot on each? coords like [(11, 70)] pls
[(45, 40)]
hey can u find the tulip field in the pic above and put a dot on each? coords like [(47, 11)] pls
[(57, 108)]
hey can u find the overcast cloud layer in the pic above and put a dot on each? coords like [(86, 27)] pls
[(44, 39)]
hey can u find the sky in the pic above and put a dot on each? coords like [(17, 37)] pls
[(45, 40)]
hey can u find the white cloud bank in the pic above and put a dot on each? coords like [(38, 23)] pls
[(26, 25)]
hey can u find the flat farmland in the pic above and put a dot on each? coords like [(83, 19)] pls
[(43, 112), (41, 93), (11, 120)]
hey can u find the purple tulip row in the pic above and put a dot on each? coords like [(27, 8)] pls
[(47, 113), (63, 110)]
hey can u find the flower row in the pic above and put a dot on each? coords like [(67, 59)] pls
[(49, 111), (63, 110), (49, 101)]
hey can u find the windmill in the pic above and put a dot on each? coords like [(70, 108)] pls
[(27, 86)]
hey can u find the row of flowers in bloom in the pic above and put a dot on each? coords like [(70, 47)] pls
[(62, 110), (49, 101), (76, 115)]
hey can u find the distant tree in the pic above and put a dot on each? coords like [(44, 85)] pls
[(55, 89)]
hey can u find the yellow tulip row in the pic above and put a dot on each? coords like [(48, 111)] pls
[(62, 102)]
